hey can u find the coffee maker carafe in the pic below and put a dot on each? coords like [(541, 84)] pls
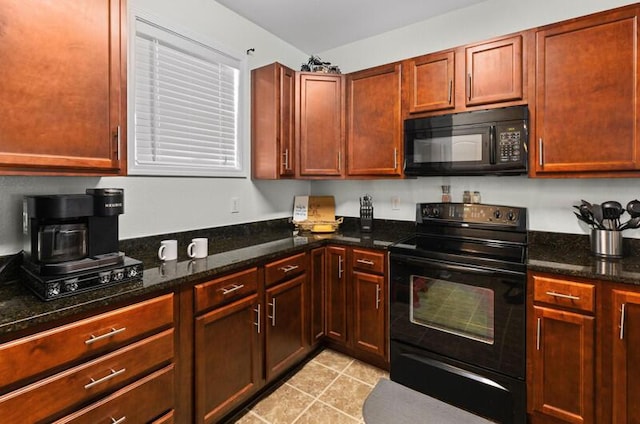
[(71, 232)]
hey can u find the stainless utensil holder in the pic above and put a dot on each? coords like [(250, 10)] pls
[(606, 243)]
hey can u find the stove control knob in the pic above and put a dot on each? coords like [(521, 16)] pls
[(435, 212), (511, 216), (497, 214)]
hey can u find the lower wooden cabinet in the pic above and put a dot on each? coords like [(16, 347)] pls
[(368, 313), (336, 294), (317, 302), (228, 358), (583, 350)]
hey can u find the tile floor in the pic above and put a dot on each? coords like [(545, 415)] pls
[(330, 388)]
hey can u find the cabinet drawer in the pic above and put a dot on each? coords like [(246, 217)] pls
[(224, 289), (141, 402), (32, 355), (84, 382), (285, 268), (569, 294), (368, 261)]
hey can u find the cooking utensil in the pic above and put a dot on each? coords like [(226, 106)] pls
[(633, 207), (611, 211), (632, 223), (596, 211)]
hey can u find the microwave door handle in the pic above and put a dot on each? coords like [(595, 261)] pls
[(492, 145)]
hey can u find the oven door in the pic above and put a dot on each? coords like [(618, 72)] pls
[(470, 314)]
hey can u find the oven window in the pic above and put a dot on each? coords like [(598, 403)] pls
[(450, 148), (461, 309)]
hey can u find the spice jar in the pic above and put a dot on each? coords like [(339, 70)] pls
[(475, 197), (466, 196), (446, 196)]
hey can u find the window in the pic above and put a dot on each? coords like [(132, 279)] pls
[(185, 97)]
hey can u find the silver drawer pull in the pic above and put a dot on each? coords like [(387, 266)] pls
[(365, 261), (119, 420), (108, 377), (92, 339), (563, 296), (289, 268), (225, 290)]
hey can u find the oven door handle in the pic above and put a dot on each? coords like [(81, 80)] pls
[(454, 267)]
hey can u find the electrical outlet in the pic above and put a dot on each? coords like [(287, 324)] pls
[(235, 205), (395, 203)]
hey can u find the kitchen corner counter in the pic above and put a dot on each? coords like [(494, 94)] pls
[(20, 309), (570, 254)]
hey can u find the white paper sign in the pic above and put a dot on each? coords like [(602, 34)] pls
[(300, 208)]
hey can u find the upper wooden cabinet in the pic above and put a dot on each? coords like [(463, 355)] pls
[(272, 124), (494, 72), (587, 96), (477, 76), (430, 82), (320, 124), (374, 138), (63, 91)]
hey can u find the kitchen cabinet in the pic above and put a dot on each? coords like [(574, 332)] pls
[(336, 289), (85, 361), (482, 75), (317, 273), (369, 301), (320, 124), (586, 121), (356, 311), (228, 348), (562, 350), (625, 337), (273, 122), (374, 137), (63, 93)]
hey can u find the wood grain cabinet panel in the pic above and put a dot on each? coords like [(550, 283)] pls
[(369, 316), (321, 124), (626, 356), (494, 72), (62, 92), (227, 358), (225, 289), (430, 82), (285, 268), (374, 138), (336, 289), (587, 96), (317, 279), (32, 355), (273, 122)]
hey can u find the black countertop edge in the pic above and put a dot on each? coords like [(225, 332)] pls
[(570, 255), (20, 309)]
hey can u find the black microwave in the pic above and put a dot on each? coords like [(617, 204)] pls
[(481, 142)]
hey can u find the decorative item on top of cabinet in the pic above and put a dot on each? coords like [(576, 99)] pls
[(374, 121), (273, 146), (320, 125), (587, 96), (64, 108)]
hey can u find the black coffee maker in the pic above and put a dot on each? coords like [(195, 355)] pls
[(72, 239)]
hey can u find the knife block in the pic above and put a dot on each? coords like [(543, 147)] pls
[(366, 219)]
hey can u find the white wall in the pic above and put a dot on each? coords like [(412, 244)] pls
[(549, 200), (155, 205)]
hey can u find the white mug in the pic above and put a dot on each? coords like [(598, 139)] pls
[(168, 250), (198, 248)]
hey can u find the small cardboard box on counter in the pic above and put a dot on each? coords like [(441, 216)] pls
[(315, 213)]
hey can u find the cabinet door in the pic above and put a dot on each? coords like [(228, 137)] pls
[(563, 365), (626, 357), (61, 92), (430, 82), (321, 125), (374, 140), (369, 301), (336, 287), (286, 326), (586, 95), (494, 72), (227, 358), (273, 123), (318, 272)]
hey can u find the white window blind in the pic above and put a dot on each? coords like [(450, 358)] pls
[(186, 106)]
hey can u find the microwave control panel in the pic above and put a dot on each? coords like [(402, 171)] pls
[(509, 145)]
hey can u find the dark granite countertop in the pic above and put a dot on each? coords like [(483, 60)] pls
[(570, 255), (230, 249)]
